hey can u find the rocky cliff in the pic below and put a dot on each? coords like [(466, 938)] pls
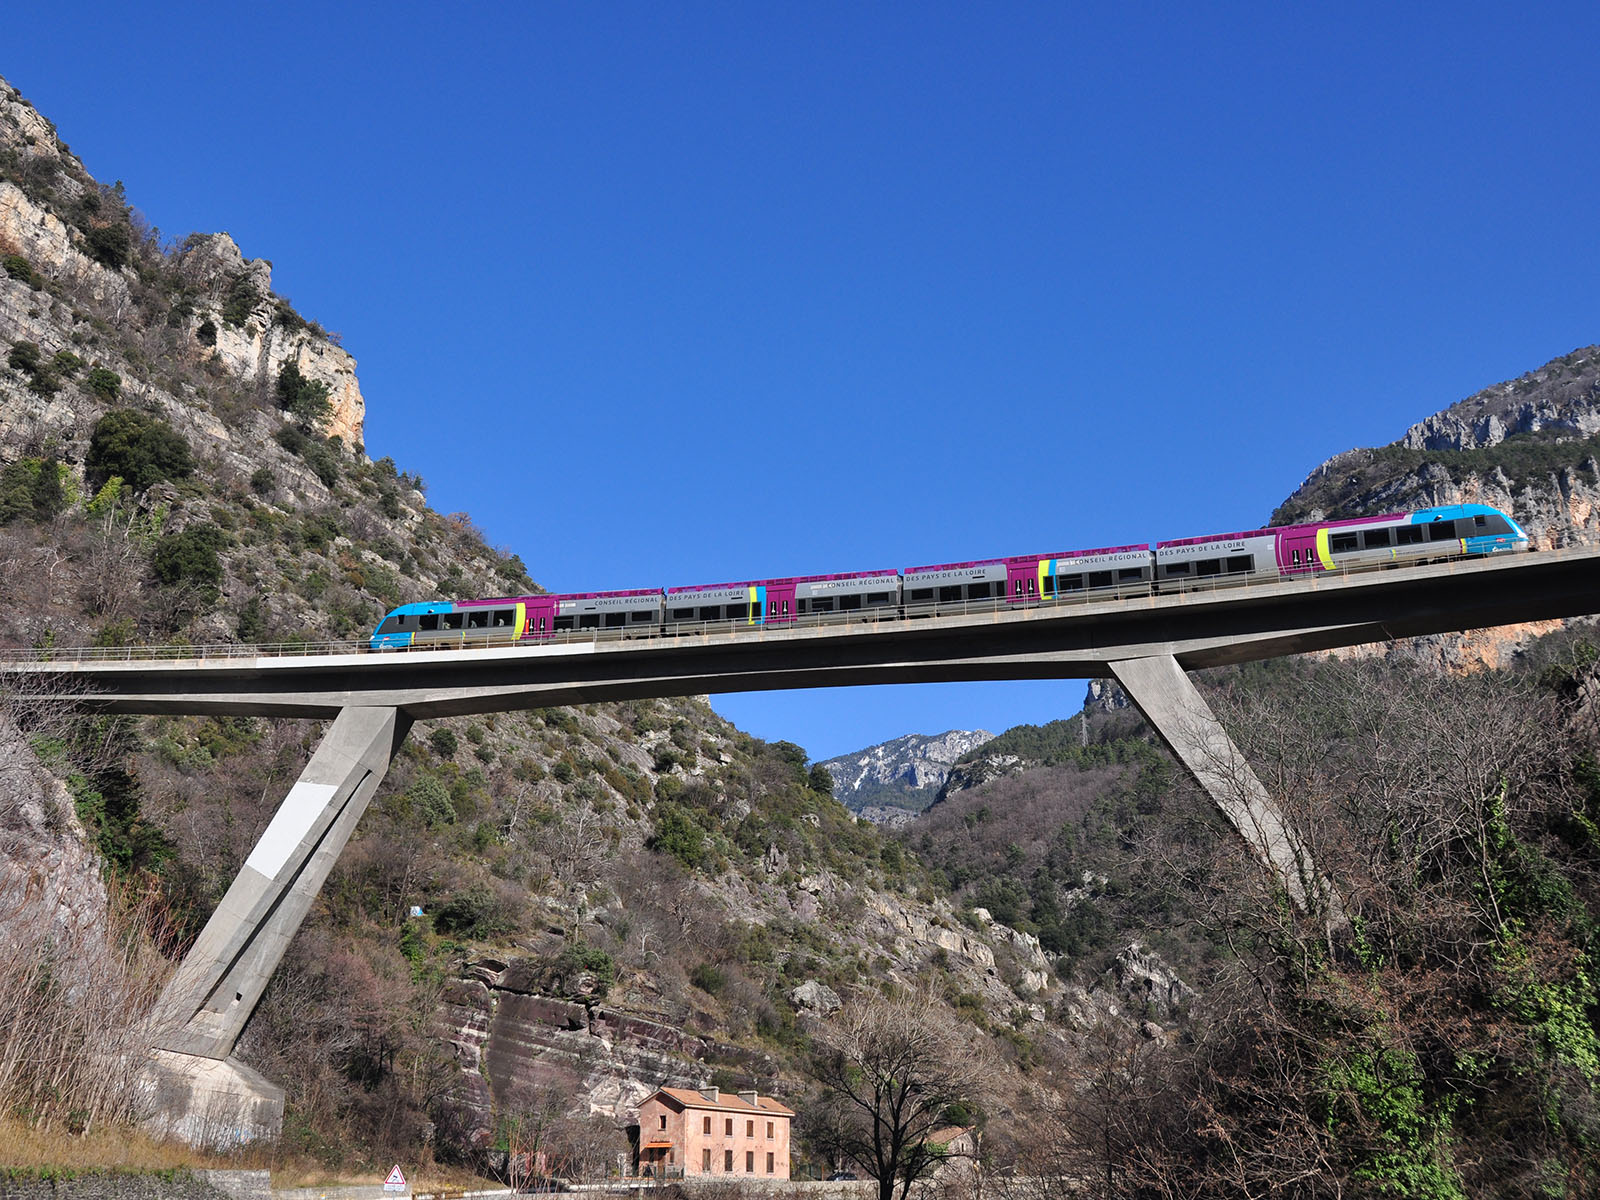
[(903, 774)]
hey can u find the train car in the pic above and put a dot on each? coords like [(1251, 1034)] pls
[(637, 610), (1023, 579), (797, 599), (462, 623), (1362, 542)]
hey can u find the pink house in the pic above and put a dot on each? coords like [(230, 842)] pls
[(709, 1133)]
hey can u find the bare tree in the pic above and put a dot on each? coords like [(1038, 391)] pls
[(895, 1066)]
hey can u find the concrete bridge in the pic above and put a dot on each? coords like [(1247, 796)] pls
[(1148, 642)]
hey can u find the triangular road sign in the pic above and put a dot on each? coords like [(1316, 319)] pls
[(397, 1178)]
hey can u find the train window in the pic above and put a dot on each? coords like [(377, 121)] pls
[(1177, 568), (949, 595), (616, 620), (1048, 587), (565, 623), (588, 620), (1479, 521), (1442, 531), (1070, 583), (755, 610), (822, 604), (849, 603), (452, 620), (1018, 588), (1375, 539), (1208, 566), (919, 595), (711, 612), (1339, 543), (478, 620), (428, 621), (543, 625), (1408, 535), (683, 614), (741, 612), (985, 591), (1239, 564), (1130, 575), (504, 617), (1099, 579), (786, 608), (877, 599), (640, 616)]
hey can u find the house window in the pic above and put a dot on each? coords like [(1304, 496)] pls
[(769, 1129), (728, 1131), (663, 1124), (749, 1162), (727, 1161), (705, 1160), (706, 1128), (769, 1162), (749, 1129)]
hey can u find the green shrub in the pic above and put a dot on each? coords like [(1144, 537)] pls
[(142, 449), (206, 332), (306, 400), (241, 298), (252, 625), (444, 743), (262, 481), (103, 383), (24, 356), (677, 834), (22, 270), (31, 487), (430, 802), (67, 363), (475, 913), (110, 244), (189, 557), (708, 979)]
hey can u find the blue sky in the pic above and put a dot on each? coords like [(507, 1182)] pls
[(727, 291)]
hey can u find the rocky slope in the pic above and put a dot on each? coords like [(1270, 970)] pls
[(616, 896), (904, 774)]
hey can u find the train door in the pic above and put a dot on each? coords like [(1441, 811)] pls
[(541, 617), (780, 603), (1022, 581), (1297, 551)]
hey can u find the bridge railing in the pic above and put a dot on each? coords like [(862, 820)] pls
[(996, 607)]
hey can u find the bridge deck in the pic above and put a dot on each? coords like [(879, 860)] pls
[(1078, 640)]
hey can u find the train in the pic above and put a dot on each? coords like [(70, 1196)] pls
[(1214, 560)]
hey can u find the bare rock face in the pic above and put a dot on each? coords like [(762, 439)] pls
[(816, 998), (46, 241), (507, 1040), (258, 347), (907, 767), (51, 891)]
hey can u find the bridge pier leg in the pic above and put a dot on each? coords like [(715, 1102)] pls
[(1171, 703), (199, 1093)]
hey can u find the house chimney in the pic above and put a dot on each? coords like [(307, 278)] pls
[(750, 1098), (710, 1093)]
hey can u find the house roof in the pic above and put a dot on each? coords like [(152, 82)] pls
[(725, 1102), (947, 1134)]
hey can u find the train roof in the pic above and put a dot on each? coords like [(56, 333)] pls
[(1275, 530), (1016, 558), (748, 583)]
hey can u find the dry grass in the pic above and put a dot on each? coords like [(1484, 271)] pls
[(125, 1148)]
